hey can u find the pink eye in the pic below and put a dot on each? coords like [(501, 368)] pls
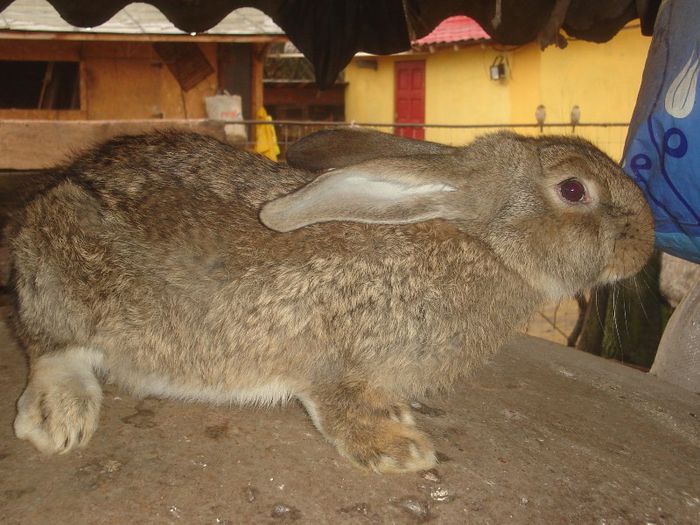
[(572, 190)]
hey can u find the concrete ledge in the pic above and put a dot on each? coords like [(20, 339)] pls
[(544, 434), (38, 144)]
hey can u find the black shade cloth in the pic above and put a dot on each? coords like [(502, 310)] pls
[(330, 32)]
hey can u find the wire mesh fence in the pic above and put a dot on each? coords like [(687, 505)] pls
[(608, 136)]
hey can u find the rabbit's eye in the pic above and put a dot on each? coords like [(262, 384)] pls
[(572, 190)]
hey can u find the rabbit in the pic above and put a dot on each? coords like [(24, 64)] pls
[(174, 265)]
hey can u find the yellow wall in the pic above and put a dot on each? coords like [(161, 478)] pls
[(458, 90), (602, 79), (370, 93)]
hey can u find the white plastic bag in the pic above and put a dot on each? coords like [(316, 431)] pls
[(227, 108)]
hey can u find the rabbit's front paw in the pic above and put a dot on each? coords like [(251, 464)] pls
[(60, 407)]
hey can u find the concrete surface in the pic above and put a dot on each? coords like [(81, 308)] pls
[(543, 434), (677, 360)]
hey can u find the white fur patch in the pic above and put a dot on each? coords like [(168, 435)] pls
[(312, 410), (75, 362), (269, 393), (381, 189), (553, 289), (61, 382)]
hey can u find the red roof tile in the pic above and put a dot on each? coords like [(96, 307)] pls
[(452, 30)]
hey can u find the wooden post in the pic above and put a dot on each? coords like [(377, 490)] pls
[(257, 62), (83, 82), (582, 312)]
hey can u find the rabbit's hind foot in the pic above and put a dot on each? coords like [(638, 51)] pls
[(60, 407), (370, 431)]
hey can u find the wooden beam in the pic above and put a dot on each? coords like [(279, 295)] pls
[(83, 84), (186, 62), (139, 37), (39, 50), (43, 114), (39, 144), (304, 95), (256, 81)]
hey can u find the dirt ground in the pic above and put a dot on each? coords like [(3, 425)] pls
[(543, 434)]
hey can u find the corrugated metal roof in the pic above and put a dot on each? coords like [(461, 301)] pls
[(136, 18), (454, 30)]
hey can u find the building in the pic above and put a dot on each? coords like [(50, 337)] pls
[(135, 67), (456, 76), (290, 90)]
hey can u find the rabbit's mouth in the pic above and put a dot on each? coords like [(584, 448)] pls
[(631, 238), (630, 254)]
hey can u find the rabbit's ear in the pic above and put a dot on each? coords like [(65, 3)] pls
[(341, 147), (385, 191)]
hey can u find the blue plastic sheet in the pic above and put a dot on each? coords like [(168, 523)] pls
[(663, 147)]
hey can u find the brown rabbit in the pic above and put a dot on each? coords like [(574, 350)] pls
[(174, 265)]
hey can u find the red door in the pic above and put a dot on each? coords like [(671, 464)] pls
[(410, 98)]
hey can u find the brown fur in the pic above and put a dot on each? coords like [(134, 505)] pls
[(151, 252)]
